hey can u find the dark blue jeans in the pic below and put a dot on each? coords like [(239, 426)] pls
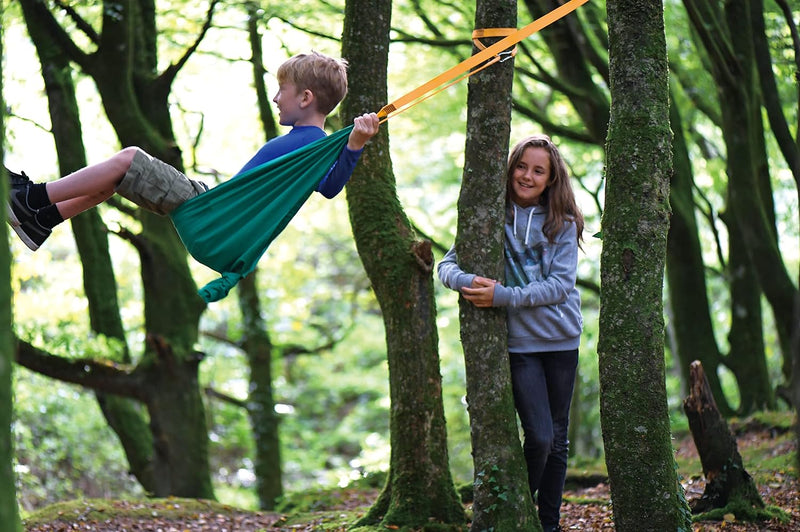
[(543, 384)]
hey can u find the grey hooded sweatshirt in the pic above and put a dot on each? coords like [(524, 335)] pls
[(543, 304)]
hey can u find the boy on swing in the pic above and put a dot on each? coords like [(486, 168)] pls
[(310, 87)]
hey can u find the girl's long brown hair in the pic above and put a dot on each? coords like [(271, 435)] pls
[(558, 196)]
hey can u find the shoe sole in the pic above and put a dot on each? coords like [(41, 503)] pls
[(33, 246), (12, 218)]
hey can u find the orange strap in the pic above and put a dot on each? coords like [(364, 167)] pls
[(487, 55)]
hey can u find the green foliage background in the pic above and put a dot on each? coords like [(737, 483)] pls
[(333, 402)]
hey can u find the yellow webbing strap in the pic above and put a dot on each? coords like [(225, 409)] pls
[(489, 54)]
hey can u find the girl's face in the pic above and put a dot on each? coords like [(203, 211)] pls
[(530, 177)]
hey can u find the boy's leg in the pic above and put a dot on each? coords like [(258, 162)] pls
[(35, 208), (92, 185), (132, 173)]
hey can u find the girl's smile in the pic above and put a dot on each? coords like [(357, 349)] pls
[(531, 176)]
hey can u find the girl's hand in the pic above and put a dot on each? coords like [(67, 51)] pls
[(481, 293)]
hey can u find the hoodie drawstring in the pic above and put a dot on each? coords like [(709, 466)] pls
[(527, 227)]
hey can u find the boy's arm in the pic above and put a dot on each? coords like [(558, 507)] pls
[(364, 128)]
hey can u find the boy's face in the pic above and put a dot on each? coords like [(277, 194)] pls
[(292, 104)]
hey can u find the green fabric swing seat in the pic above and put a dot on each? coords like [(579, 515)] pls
[(229, 227)]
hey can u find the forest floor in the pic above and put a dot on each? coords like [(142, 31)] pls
[(769, 456)]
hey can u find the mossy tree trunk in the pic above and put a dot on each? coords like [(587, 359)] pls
[(124, 68), (502, 497), (9, 512), (260, 399), (633, 399), (125, 417), (419, 488)]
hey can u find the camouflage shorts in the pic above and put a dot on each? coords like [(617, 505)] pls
[(157, 186)]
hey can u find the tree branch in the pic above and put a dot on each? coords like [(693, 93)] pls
[(167, 77), (697, 97), (769, 88), (550, 126), (706, 20), (80, 23), (225, 398), (99, 375)]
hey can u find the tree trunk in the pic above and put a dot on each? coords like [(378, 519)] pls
[(136, 103), (726, 478), (9, 513), (123, 416), (795, 382), (419, 488), (177, 422), (260, 400), (502, 499), (688, 293), (633, 399), (727, 38)]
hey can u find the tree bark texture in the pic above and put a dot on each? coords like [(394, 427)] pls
[(9, 512), (419, 488), (633, 399), (726, 477), (502, 499), (135, 100)]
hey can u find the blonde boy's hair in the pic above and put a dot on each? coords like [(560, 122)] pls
[(324, 76)]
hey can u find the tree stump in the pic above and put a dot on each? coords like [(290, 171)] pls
[(727, 482)]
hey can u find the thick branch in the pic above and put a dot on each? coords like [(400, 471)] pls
[(99, 375), (36, 10)]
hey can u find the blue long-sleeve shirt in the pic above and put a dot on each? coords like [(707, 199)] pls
[(299, 136)]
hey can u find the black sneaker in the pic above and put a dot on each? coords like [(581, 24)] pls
[(31, 232), (18, 210), (18, 180)]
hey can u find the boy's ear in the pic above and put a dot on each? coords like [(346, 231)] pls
[(307, 99)]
